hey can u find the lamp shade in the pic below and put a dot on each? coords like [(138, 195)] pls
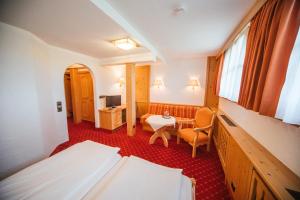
[(158, 83), (194, 83)]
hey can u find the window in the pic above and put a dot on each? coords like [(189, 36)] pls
[(233, 67), (289, 103)]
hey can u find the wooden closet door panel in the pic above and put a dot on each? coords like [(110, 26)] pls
[(68, 94), (87, 96), (142, 89)]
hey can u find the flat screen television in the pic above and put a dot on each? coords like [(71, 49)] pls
[(113, 101)]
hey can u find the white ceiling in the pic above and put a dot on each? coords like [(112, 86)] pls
[(81, 26), (75, 25), (201, 30)]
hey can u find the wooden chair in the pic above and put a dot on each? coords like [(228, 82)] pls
[(201, 131)]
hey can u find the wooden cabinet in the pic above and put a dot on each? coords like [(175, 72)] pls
[(111, 119), (259, 190), (236, 165), (221, 140), (251, 172), (238, 171)]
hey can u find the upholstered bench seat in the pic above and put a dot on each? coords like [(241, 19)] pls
[(180, 112)]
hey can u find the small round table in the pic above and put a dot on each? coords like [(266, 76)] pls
[(159, 124)]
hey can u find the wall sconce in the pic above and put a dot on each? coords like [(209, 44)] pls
[(121, 82), (157, 83), (194, 83)]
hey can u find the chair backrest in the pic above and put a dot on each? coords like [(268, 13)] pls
[(204, 117)]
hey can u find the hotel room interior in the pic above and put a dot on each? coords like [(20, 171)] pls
[(150, 99)]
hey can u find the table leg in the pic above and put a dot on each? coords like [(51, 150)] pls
[(159, 133)]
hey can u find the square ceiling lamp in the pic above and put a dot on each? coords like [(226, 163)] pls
[(125, 44)]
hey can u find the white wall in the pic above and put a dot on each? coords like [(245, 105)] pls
[(31, 81), (176, 75), (110, 81), (281, 139)]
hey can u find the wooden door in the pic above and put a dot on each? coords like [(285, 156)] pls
[(87, 96), (68, 94), (75, 91), (142, 89), (211, 100)]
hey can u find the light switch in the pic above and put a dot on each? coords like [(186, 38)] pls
[(59, 106)]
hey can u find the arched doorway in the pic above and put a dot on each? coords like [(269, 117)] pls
[(79, 93)]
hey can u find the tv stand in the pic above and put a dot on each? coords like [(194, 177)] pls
[(112, 118)]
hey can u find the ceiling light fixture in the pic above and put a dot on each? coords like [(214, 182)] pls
[(179, 10), (125, 43)]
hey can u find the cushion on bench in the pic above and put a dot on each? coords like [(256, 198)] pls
[(178, 111)]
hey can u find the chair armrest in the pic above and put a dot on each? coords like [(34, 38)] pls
[(186, 122), (197, 130)]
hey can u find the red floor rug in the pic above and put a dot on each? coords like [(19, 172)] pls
[(205, 168)]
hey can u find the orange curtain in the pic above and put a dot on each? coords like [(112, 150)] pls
[(270, 41), (220, 61)]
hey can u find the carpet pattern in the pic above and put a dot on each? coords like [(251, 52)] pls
[(205, 168)]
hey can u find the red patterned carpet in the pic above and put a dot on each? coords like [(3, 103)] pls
[(205, 168)]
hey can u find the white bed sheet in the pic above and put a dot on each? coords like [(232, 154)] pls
[(186, 189), (135, 179), (69, 174)]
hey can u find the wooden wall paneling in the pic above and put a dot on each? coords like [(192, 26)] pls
[(76, 99), (211, 100), (130, 99), (87, 96), (142, 89), (68, 95)]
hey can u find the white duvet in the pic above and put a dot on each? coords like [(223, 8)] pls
[(69, 174), (136, 179)]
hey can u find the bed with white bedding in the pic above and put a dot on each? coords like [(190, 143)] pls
[(90, 170), (69, 174), (134, 178)]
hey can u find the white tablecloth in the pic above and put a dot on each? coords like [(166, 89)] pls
[(157, 121)]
